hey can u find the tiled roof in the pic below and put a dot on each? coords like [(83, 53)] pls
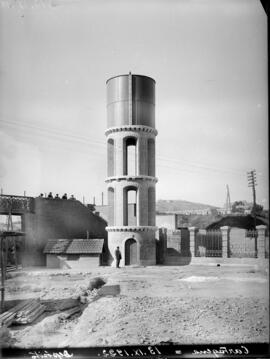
[(57, 246), (74, 246), (80, 246)]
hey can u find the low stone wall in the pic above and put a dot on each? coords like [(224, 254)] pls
[(235, 246)]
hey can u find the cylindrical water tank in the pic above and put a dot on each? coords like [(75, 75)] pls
[(130, 101)]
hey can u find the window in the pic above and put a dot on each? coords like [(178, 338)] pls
[(110, 157), (110, 206), (130, 156), (130, 206)]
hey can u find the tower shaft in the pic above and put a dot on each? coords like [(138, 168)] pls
[(131, 168)]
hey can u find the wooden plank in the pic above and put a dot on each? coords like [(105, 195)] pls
[(13, 310), (5, 316), (32, 312), (26, 316), (33, 316), (8, 321), (29, 309), (70, 312), (29, 302), (54, 305), (22, 310), (11, 315)]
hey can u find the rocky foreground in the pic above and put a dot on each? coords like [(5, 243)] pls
[(185, 305)]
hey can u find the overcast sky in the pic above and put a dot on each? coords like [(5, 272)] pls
[(209, 60)]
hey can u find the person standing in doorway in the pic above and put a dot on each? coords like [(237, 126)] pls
[(118, 257)]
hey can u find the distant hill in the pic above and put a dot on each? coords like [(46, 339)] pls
[(165, 206), (198, 221)]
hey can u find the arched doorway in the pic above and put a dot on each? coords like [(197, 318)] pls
[(131, 249)]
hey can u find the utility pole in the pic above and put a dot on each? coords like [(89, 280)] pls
[(102, 198), (252, 183), (228, 201)]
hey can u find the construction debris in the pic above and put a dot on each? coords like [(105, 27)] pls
[(67, 314), (23, 313), (7, 317), (30, 312), (96, 283), (11, 268), (88, 296), (60, 304)]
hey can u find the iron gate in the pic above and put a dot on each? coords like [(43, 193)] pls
[(208, 244)]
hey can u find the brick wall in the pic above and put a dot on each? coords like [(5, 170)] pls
[(57, 219)]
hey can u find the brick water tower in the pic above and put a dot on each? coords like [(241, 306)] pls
[(131, 177)]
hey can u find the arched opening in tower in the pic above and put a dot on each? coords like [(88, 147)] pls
[(130, 153), (110, 206), (110, 157), (130, 206)]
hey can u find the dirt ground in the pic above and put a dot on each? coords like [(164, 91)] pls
[(144, 305)]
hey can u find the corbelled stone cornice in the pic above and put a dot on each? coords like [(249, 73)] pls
[(131, 178), (135, 128), (131, 228)]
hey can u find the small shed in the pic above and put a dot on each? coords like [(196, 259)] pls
[(74, 253)]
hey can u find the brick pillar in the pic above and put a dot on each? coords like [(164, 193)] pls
[(119, 156), (261, 241), (119, 209), (192, 235), (142, 206), (225, 241), (142, 156)]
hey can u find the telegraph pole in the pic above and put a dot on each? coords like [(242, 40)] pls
[(252, 183), (228, 201)]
